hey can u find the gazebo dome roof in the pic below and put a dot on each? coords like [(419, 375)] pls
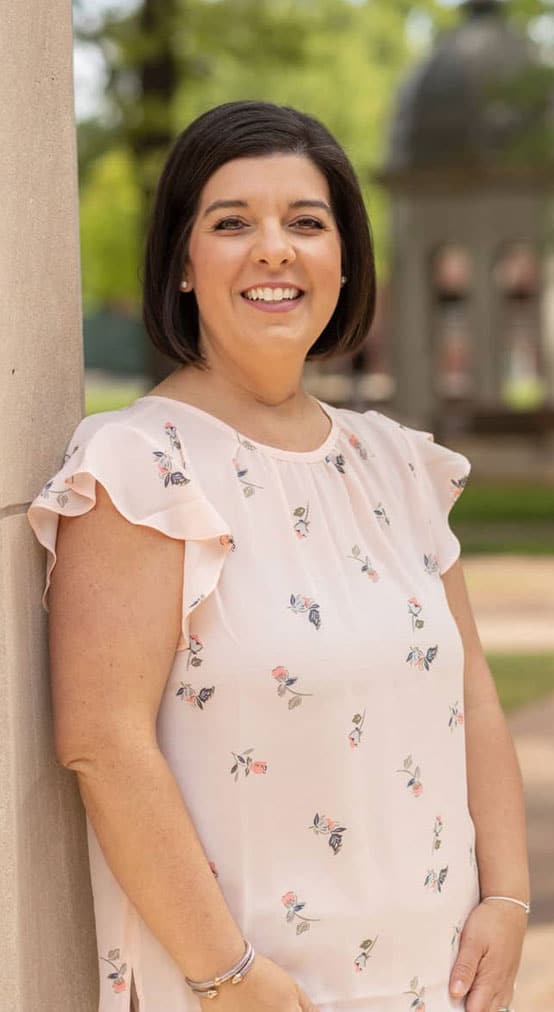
[(460, 107)]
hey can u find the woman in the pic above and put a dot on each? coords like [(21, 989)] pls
[(258, 624)]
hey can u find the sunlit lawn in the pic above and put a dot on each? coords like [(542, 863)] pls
[(521, 678)]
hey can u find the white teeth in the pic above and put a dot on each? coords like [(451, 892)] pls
[(272, 294)]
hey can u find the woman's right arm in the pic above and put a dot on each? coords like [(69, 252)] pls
[(115, 616)]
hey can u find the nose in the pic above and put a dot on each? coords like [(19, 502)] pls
[(273, 247)]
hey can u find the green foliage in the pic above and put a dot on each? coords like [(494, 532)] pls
[(521, 678)]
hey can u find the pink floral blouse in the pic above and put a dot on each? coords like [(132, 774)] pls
[(313, 718)]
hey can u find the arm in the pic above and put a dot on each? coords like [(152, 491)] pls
[(115, 612), (496, 803)]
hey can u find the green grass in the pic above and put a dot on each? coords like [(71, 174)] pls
[(522, 678), (110, 398)]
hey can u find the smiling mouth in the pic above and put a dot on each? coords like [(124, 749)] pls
[(272, 296)]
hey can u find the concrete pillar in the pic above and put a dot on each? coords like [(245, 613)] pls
[(48, 957)]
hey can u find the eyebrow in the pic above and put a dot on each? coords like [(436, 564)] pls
[(243, 203)]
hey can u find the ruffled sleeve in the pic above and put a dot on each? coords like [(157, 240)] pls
[(148, 478), (443, 474)]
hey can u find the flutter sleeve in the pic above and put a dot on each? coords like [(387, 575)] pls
[(443, 475), (149, 480)]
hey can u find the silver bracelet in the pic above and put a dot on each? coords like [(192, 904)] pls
[(510, 899), (209, 988)]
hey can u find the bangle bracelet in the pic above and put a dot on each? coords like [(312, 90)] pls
[(510, 899), (209, 988)]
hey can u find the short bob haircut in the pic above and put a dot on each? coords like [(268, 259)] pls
[(239, 130)]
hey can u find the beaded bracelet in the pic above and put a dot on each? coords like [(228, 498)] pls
[(210, 988), (510, 899)]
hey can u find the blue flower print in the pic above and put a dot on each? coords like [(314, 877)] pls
[(299, 604)]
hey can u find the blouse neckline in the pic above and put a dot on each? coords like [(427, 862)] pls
[(308, 456)]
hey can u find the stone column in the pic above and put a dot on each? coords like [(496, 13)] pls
[(48, 958)]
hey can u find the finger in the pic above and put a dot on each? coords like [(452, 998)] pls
[(465, 968), (305, 1004), (481, 999)]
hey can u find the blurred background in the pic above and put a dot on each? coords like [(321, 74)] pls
[(446, 110)]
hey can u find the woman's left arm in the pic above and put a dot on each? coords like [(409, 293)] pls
[(492, 938)]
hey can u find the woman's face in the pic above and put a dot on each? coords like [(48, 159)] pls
[(276, 231)]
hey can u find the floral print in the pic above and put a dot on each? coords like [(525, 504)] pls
[(431, 563), (117, 975), (381, 514), (456, 716), (300, 604), (418, 1005), (244, 764), (418, 658), (196, 699), (456, 932), (336, 459), (361, 959), (355, 734), (414, 608), (193, 650), (248, 487), (359, 446), (364, 562), (435, 880), (169, 474), (284, 682), (437, 830), (302, 523), (228, 541), (414, 782), (293, 907), (328, 827)]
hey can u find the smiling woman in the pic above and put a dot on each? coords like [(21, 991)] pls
[(264, 665)]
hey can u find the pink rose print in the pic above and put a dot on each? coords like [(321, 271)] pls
[(328, 827), (413, 783), (417, 1005), (414, 608), (284, 682), (431, 564), (299, 604), (244, 764), (355, 735), (169, 474), (302, 523), (456, 716), (458, 485), (361, 959), (228, 541), (196, 699), (359, 446), (437, 830), (290, 901), (435, 880), (193, 649), (117, 975), (366, 565)]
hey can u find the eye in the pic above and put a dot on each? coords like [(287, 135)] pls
[(219, 227), (311, 222)]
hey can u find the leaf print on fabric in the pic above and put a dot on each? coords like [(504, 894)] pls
[(355, 734), (437, 830), (456, 716), (301, 523), (244, 764), (359, 447), (361, 959), (337, 460), (418, 992), (300, 604), (456, 932), (328, 827), (364, 562), (431, 563), (117, 975), (290, 901), (414, 782), (435, 880), (194, 648), (458, 485), (418, 658), (414, 608), (248, 487), (381, 514), (169, 474), (195, 699), (284, 682)]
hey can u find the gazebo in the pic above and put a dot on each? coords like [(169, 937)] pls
[(469, 170)]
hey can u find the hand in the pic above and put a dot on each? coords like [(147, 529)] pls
[(489, 956), (266, 988)]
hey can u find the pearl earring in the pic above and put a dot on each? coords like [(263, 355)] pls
[(184, 284), (343, 280)]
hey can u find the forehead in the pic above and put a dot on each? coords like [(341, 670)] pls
[(266, 177)]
